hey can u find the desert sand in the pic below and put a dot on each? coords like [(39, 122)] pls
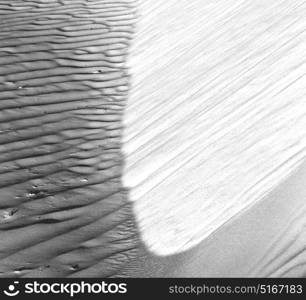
[(152, 138), (216, 115)]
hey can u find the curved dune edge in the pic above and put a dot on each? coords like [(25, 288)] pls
[(216, 116), (265, 241), (64, 83)]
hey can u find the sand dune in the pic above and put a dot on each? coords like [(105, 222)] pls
[(216, 116), (205, 179), (267, 240)]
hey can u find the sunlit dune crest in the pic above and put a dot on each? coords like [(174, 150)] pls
[(216, 116)]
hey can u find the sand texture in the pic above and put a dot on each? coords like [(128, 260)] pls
[(216, 117), (152, 138), (64, 82)]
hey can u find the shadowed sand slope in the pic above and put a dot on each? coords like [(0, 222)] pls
[(215, 121), (63, 84), (216, 116), (268, 240)]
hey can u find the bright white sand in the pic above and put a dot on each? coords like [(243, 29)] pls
[(217, 112)]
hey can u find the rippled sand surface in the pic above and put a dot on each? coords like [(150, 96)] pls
[(64, 83), (216, 116)]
